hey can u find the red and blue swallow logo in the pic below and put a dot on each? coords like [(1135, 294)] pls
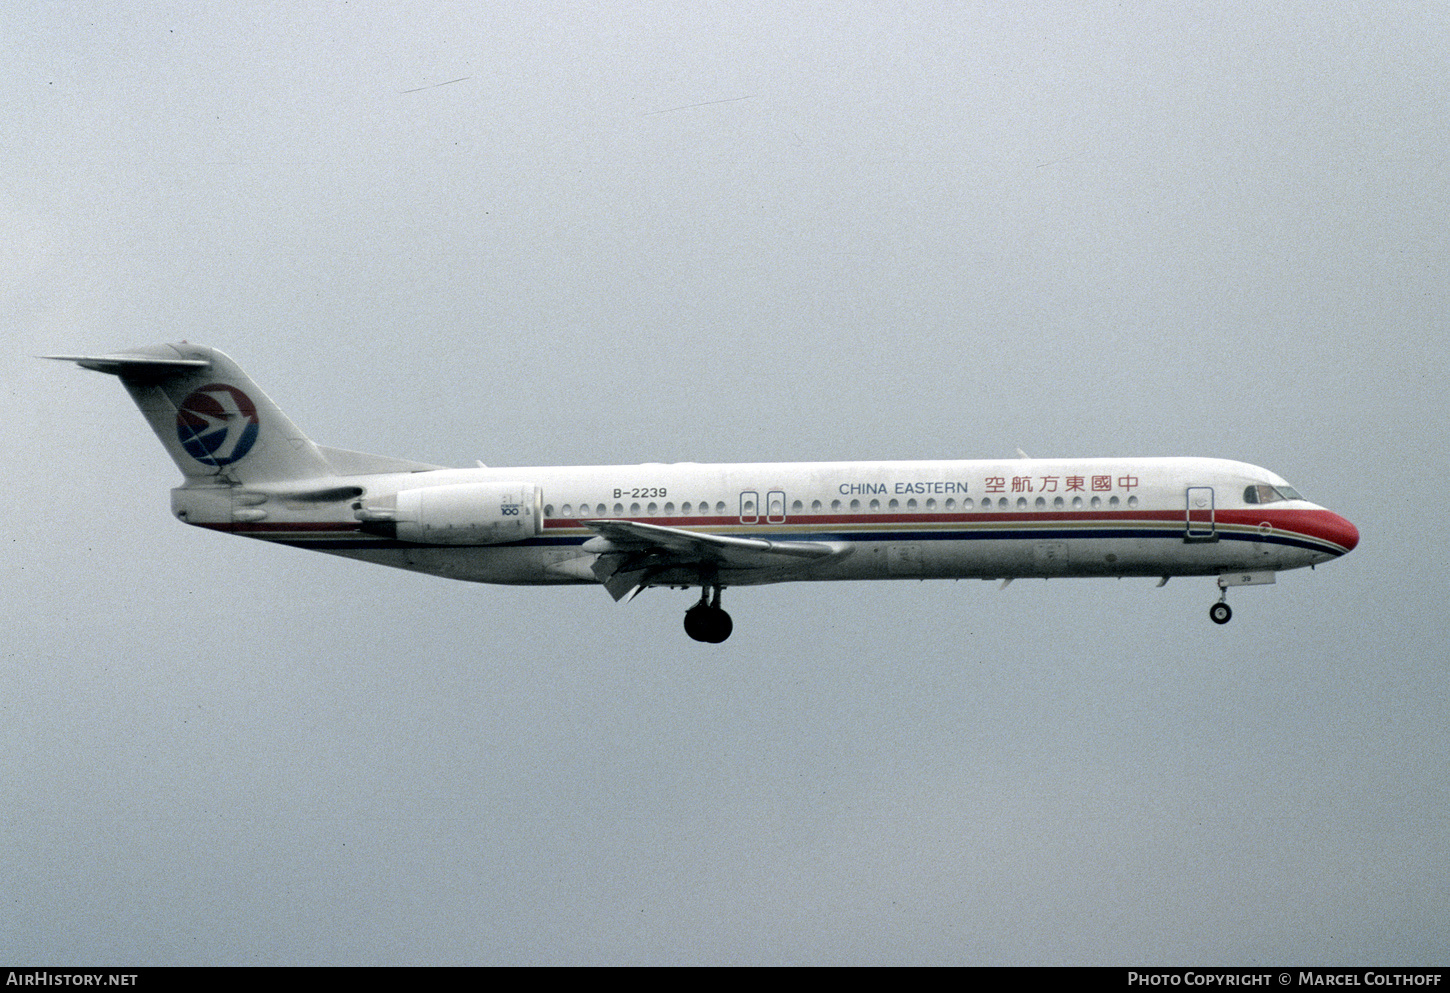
[(217, 424)]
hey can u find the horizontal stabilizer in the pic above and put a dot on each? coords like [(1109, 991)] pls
[(136, 364)]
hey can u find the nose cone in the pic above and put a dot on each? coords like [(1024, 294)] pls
[(1338, 530)]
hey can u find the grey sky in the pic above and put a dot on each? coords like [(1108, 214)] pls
[(560, 234)]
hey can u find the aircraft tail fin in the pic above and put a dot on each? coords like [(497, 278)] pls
[(214, 421)]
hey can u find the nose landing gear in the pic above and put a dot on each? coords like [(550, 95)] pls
[(1220, 613), (707, 621)]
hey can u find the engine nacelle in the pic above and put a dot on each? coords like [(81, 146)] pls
[(468, 513)]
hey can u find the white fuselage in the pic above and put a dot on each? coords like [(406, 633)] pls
[(250, 470), (917, 520)]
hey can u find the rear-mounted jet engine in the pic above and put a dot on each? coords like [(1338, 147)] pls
[(458, 514)]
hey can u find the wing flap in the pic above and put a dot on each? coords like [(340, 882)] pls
[(630, 554), (636, 536)]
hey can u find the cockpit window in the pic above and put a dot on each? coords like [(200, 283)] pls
[(1269, 494)]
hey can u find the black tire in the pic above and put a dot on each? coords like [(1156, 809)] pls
[(721, 626), (697, 624), (1220, 613), (708, 624)]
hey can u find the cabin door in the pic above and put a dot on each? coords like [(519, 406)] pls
[(1200, 525)]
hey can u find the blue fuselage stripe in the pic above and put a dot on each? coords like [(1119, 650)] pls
[(885, 534)]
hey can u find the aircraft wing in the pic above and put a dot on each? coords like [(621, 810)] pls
[(630, 553)]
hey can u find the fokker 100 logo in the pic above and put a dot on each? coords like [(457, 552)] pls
[(217, 424)]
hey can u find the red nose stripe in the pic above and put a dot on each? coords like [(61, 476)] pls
[(1331, 527)]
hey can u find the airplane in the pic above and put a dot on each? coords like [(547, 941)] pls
[(249, 470)]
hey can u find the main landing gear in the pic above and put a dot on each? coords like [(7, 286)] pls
[(707, 621)]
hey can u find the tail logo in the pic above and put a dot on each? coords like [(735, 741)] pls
[(217, 424)]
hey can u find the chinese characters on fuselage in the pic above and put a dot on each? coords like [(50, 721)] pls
[(997, 484)]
